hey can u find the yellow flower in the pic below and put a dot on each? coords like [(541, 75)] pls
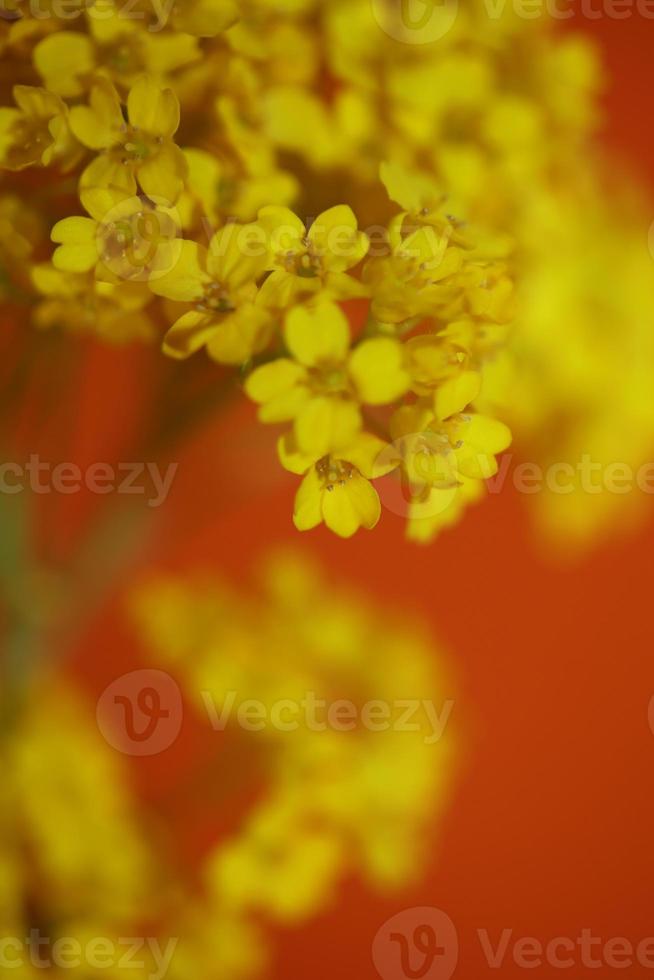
[(217, 190), (221, 283), (336, 488), (140, 148), (419, 278), (305, 262), (445, 453), (433, 359), (120, 47), (324, 383), (203, 18), (36, 132), (134, 238), (423, 203)]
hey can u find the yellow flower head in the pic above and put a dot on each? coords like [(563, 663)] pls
[(140, 147), (118, 47), (133, 239), (221, 284), (419, 278), (305, 262), (36, 132), (325, 382), (336, 488)]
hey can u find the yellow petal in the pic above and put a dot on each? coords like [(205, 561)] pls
[(74, 231), (327, 424), (62, 59), (307, 513), (348, 507), (238, 254), (372, 456), (109, 174), (153, 109), (290, 456), (98, 125), (426, 246), (55, 282), (204, 18), (37, 103), (317, 336), (475, 464), (168, 52), (105, 203), (335, 237), (188, 334), (456, 394), (75, 258), (186, 280), (239, 336), (162, 175), (412, 191), (277, 387), (283, 229), (377, 368), (485, 434)]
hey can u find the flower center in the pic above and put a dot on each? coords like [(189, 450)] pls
[(137, 146), (124, 57), (329, 379), (216, 299), (334, 472), (305, 264)]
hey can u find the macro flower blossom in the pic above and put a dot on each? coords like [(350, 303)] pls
[(323, 385), (137, 148), (132, 238), (314, 260), (401, 199), (220, 283), (336, 488), (36, 131)]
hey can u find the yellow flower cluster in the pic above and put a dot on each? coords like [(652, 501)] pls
[(239, 164), (203, 236), (74, 860), (84, 857), (337, 795)]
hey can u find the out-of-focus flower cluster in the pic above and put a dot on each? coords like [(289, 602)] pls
[(83, 856), (241, 166)]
